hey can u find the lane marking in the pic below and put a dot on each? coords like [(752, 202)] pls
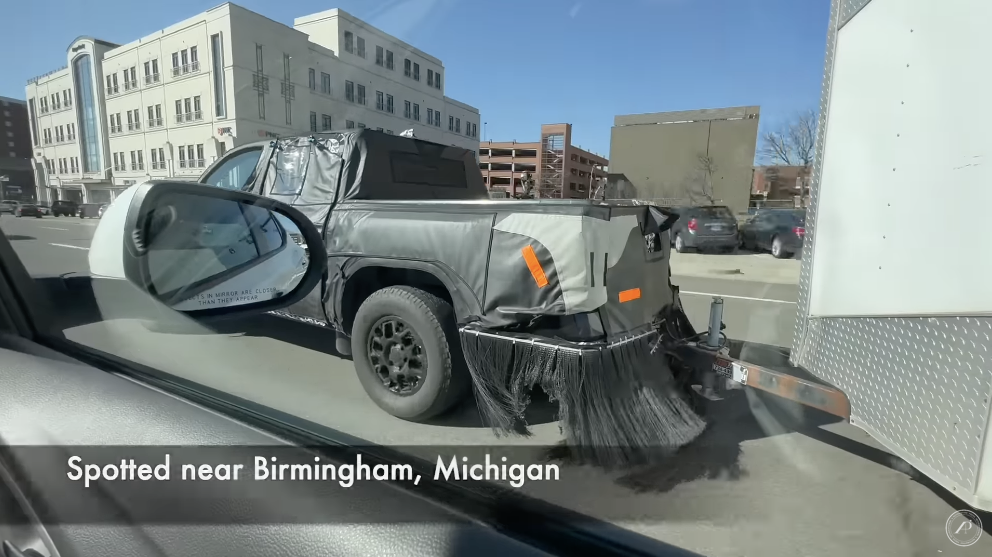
[(53, 228), (68, 246), (750, 298)]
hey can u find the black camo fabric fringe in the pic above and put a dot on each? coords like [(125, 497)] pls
[(617, 406)]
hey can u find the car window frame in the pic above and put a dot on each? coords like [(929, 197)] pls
[(229, 156)]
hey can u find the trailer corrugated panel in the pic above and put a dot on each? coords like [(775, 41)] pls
[(920, 385)]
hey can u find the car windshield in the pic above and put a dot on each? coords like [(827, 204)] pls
[(556, 315)]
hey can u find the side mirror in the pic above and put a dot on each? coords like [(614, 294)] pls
[(208, 251)]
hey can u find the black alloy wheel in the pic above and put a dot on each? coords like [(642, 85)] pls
[(397, 355)]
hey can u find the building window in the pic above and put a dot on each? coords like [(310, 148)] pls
[(361, 126), (349, 91), (390, 132), (361, 47), (406, 109), (349, 41), (389, 104), (185, 61), (389, 59), (458, 125), (182, 156), (151, 72), (130, 79), (288, 89), (379, 55), (416, 72), (313, 121), (260, 82), (407, 64), (155, 116), (34, 121), (200, 159), (325, 122), (220, 86), (430, 116), (361, 94), (475, 130), (312, 79), (451, 123), (430, 78), (349, 124), (154, 159), (111, 90), (416, 112), (380, 101), (379, 129), (325, 83), (437, 80)]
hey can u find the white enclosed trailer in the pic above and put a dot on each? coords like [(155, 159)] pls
[(895, 293)]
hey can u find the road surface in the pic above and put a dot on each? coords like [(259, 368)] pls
[(749, 486)]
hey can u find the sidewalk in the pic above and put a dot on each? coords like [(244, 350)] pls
[(745, 266)]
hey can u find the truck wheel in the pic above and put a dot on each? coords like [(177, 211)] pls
[(406, 351)]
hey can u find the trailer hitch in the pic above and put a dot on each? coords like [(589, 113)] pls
[(715, 372)]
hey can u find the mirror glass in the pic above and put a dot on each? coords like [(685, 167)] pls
[(203, 252)]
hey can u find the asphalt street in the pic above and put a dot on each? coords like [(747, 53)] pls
[(752, 485)]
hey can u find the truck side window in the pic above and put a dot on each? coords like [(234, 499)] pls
[(233, 173)]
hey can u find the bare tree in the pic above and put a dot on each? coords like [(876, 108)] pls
[(700, 186), (794, 144)]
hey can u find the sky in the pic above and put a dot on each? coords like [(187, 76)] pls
[(521, 63)]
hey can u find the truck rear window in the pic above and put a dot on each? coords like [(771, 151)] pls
[(414, 168)]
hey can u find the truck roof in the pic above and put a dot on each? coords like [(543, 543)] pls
[(365, 164)]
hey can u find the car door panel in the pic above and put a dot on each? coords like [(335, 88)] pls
[(48, 390)]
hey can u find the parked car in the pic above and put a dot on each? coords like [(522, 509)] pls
[(27, 210), (63, 208), (708, 227), (91, 210), (8, 207), (44, 208), (780, 231)]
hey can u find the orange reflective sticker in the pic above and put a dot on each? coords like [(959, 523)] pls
[(629, 295), (535, 267)]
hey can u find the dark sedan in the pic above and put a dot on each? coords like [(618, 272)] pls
[(27, 210), (710, 227), (780, 231), (92, 210)]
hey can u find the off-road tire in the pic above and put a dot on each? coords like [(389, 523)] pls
[(446, 381)]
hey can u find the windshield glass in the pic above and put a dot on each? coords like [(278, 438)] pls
[(659, 365)]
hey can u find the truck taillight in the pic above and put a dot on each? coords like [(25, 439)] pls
[(799, 231), (692, 225)]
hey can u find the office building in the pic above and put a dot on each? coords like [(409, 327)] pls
[(696, 157), (170, 103), (558, 168), (16, 176)]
